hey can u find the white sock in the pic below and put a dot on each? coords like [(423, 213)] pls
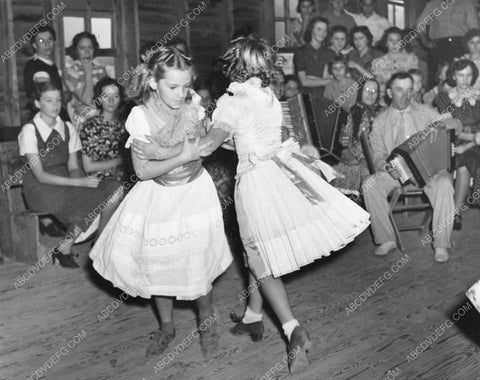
[(251, 317), (289, 326)]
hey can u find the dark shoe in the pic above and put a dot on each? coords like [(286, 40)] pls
[(161, 340), (298, 347), (255, 329), (51, 230), (65, 261), (457, 224), (209, 338)]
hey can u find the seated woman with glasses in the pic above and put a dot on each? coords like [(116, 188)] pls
[(353, 164)]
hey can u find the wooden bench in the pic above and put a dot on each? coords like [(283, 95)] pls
[(19, 229)]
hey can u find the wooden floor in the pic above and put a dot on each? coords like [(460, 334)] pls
[(57, 312)]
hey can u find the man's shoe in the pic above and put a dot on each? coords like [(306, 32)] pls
[(385, 248), (441, 255)]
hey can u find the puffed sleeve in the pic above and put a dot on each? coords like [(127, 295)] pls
[(225, 115), (27, 140), (137, 126)]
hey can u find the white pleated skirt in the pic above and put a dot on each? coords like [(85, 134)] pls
[(281, 227), (165, 241)]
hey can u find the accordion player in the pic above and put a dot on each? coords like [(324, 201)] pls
[(424, 154)]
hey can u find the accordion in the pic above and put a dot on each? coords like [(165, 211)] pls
[(310, 121), (424, 154)]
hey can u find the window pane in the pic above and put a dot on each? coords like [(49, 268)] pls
[(71, 26), (280, 30), (400, 16), (391, 17), (102, 29), (293, 8), (279, 8)]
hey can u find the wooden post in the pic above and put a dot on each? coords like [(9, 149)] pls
[(9, 66)]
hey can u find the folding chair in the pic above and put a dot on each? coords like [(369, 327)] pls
[(403, 193)]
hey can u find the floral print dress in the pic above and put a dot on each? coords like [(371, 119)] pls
[(103, 140), (353, 164)]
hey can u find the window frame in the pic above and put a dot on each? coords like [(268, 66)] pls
[(87, 15)]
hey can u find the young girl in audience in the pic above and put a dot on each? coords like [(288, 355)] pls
[(341, 89), (339, 40), (104, 135), (55, 184), (288, 215), (166, 239), (418, 89)]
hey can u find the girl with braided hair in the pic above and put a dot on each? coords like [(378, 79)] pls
[(288, 214), (167, 239)]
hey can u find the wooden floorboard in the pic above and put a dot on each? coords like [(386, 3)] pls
[(55, 304)]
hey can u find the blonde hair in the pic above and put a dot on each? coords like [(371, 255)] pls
[(247, 58), (164, 59)]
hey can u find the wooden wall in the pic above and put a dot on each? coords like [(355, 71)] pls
[(139, 22)]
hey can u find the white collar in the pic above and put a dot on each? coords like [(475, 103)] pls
[(47, 61), (44, 129)]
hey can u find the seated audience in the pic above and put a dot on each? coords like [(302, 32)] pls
[(311, 60), (440, 86), (55, 184), (361, 57), (341, 89), (82, 72), (360, 118), (368, 18), (339, 40), (104, 136), (471, 41), (418, 80), (462, 100), (395, 60), (42, 68), (306, 10), (446, 29), (336, 15), (292, 86), (391, 128)]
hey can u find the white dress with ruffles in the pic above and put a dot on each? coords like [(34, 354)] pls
[(288, 214), (164, 240)]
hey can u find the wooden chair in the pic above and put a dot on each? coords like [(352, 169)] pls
[(399, 201), (18, 226)]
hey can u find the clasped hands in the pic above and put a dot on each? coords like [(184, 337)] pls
[(152, 150)]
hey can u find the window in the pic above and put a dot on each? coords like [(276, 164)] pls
[(396, 13), (97, 18), (285, 13)]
